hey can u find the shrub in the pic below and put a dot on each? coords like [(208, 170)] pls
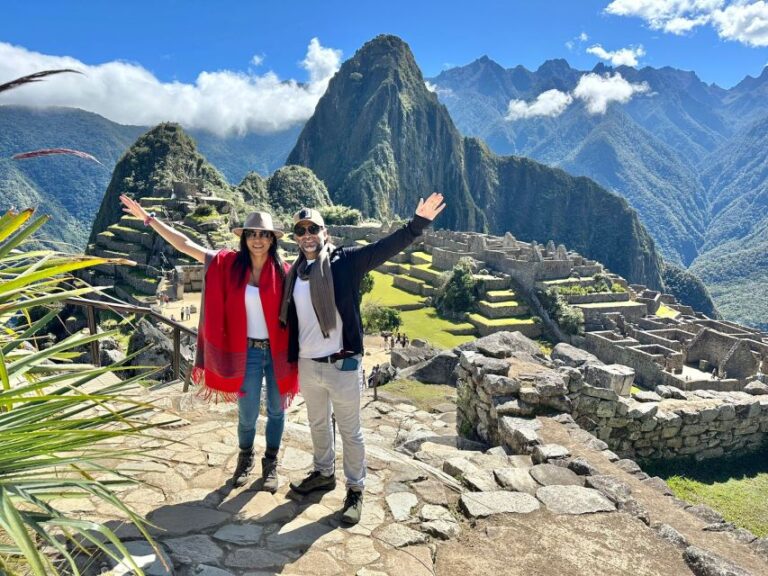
[(458, 294), (569, 318), (205, 210), (380, 318), (343, 215), (366, 285)]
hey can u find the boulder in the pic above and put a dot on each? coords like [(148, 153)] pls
[(159, 349), (503, 345), (614, 377), (436, 370), (409, 355), (705, 563), (572, 356)]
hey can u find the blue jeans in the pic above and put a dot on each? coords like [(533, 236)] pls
[(257, 370)]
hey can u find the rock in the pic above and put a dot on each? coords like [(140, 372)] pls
[(184, 519), (658, 484), (573, 500), (611, 487), (436, 370), (159, 349), (402, 358), (646, 396), (397, 535), (107, 357), (401, 504), (497, 385), (502, 345), (357, 550), (298, 534), (483, 504), (431, 491), (443, 529), (517, 480), (545, 452), (671, 535), (614, 377), (144, 556), (240, 534), (582, 467), (761, 547), (205, 570), (572, 356), (551, 475), (756, 388), (197, 549), (628, 465), (706, 513), (704, 563), (431, 512), (634, 508)]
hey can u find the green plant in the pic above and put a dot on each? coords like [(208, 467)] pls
[(53, 415), (205, 210), (379, 318), (458, 294), (570, 319), (366, 285), (339, 214)]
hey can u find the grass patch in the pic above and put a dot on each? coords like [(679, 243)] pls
[(500, 321), (505, 294), (427, 325), (424, 396), (735, 487), (545, 346), (422, 256), (500, 303), (385, 294), (665, 311)]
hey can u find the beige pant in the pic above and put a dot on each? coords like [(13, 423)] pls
[(327, 390)]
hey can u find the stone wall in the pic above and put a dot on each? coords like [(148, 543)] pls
[(496, 392)]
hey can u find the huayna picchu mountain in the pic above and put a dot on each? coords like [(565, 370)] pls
[(380, 140), (166, 173)]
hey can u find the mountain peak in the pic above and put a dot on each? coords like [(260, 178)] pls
[(557, 65)]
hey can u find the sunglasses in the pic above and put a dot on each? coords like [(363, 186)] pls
[(257, 234), (301, 230)]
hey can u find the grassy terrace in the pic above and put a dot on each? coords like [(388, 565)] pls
[(385, 294), (502, 294), (423, 323), (501, 303), (500, 321), (665, 311), (424, 396), (735, 487)]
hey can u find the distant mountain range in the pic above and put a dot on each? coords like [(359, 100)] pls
[(690, 157), (72, 189)]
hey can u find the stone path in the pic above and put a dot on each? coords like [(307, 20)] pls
[(434, 504)]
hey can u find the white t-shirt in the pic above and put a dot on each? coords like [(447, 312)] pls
[(257, 324), (312, 343)]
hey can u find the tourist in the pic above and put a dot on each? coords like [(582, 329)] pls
[(240, 341), (321, 304)]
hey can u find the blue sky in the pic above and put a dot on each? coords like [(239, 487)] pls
[(174, 47)]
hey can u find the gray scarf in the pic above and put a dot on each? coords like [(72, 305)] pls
[(320, 288)]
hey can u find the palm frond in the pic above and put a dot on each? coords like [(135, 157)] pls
[(36, 77)]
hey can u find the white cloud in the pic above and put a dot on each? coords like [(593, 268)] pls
[(744, 21), (598, 91), (580, 39), (223, 102), (549, 103), (621, 57), (257, 59), (583, 37), (440, 91)]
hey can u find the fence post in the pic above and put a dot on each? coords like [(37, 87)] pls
[(90, 315), (176, 351)]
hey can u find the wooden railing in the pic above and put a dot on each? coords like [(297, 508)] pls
[(178, 329)]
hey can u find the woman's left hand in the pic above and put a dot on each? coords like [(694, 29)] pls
[(430, 207)]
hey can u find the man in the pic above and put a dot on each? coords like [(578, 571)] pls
[(321, 304)]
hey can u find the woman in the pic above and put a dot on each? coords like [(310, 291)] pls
[(240, 341)]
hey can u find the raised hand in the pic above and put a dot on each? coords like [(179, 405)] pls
[(430, 207), (133, 208)]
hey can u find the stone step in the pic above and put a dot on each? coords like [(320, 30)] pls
[(486, 282), (421, 258), (428, 274), (505, 309), (486, 326), (500, 295), (412, 285)]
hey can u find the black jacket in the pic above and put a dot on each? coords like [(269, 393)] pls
[(348, 266)]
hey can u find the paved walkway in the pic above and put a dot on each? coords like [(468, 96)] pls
[(430, 507)]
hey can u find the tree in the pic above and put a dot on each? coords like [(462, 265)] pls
[(380, 318), (366, 285), (458, 294), (339, 214)]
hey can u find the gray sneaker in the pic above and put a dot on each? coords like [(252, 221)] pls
[(269, 474), (353, 507), (313, 482)]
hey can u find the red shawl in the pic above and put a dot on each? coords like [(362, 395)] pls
[(222, 336)]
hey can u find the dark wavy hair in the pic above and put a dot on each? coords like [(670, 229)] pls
[(243, 260)]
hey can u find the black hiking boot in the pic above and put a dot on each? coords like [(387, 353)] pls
[(313, 482), (243, 468), (269, 474)]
